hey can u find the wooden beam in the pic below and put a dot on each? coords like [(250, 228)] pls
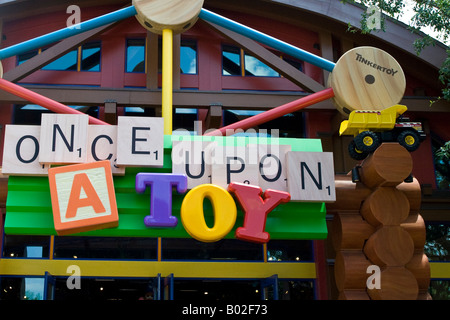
[(229, 99), (214, 117), (285, 69), (53, 53), (151, 60)]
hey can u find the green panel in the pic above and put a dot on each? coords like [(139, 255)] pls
[(29, 204)]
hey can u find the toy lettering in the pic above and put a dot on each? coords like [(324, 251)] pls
[(94, 144), (36, 150), (81, 181), (69, 146), (192, 215), (160, 196), (360, 58), (134, 139), (256, 210)]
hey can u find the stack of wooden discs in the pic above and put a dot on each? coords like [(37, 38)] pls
[(377, 226)]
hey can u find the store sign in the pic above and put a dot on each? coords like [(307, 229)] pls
[(236, 175)]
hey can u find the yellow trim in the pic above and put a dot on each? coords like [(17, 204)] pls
[(236, 270), (440, 270), (167, 75)]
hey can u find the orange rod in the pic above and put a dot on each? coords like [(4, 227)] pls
[(274, 113), (45, 102)]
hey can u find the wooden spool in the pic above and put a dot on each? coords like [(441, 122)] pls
[(389, 246), (397, 283), (350, 270), (413, 192), (415, 226), (349, 195), (350, 231), (388, 166), (177, 15), (353, 295), (367, 78), (420, 268), (385, 206)]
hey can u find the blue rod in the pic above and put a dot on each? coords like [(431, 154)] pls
[(58, 35), (267, 40)]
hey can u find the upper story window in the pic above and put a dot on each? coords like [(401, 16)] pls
[(83, 58), (236, 62), (135, 55), (136, 62), (188, 56)]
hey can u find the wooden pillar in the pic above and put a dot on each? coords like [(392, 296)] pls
[(377, 223)]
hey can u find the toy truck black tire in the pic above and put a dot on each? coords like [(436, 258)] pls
[(409, 139)]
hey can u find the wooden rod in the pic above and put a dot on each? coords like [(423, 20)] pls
[(45, 102), (267, 40), (61, 34), (167, 77), (274, 113)]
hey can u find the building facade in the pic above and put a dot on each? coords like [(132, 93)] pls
[(219, 78)]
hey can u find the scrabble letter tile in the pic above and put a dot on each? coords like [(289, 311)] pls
[(63, 138), (311, 176), (21, 151), (140, 141)]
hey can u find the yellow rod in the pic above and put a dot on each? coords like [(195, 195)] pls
[(167, 75)]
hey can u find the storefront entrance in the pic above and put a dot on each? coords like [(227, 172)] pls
[(159, 288)]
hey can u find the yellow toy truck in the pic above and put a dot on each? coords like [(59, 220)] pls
[(371, 128)]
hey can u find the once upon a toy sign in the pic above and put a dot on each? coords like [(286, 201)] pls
[(80, 160)]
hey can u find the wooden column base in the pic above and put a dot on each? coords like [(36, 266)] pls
[(377, 224)]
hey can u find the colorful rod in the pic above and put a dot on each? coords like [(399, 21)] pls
[(67, 32), (167, 77), (274, 113), (267, 40), (41, 100)]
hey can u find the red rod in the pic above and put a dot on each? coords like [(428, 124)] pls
[(275, 113), (41, 100)]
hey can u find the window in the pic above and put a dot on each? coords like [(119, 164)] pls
[(26, 288), (188, 56), (17, 246), (254, 67), (231, 61), (30, 114), (90, 56), (289, 250), (288, 126), (225, 249), (83, 58), (135, 55), (21, 58), (236, 62), (127, 248), (68, 62)]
